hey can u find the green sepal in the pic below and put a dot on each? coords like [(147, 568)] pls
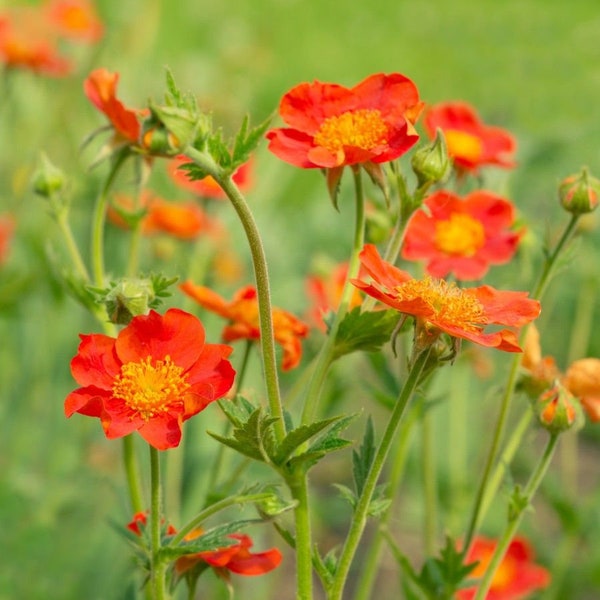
[(333, 177), (367, 331)]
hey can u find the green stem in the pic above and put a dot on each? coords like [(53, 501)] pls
[(515, 518), (476, 514), (157, 566), (325, 357), (299, 489), (63, 223), (213, 509), (132, 474), (99, 218), (429, 484), (267, 339), (361, 511)]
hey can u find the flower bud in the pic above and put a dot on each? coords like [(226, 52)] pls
[(48, 180), (127, 299), (579, 193), (431, 163), (556, 409)]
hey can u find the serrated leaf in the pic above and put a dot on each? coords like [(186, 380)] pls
[(366, 331), (380, 501), (238, 446), (362, 459), (347, 494), (294, 439), (247, 140), (330, 440), (237, 411)]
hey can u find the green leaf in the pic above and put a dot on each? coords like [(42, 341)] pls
[(366, 331), (347, 494), (362, 459), (247, 140)]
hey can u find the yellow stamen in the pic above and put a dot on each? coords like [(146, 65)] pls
[(460, 235), (151, 388), (364, 129), (448, 302), (463, 145)]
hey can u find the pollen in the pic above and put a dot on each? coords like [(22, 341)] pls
[(449, 304), (460, 235), (151, 387), (364, 129), (463, 145)]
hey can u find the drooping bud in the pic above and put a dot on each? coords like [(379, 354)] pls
[(48, 180), (128, 298), (556, 409), (431, 163), (579, 193)]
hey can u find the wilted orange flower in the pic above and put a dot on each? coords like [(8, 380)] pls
[(26, 42), (76, 19), (242, 313), (470, 142), (333, 126), (182, 220), (582, 378), (207, 187), (439, 306), (517, 576), (236, 558), (139, 522), (7, 227), (157, 373), (101, 88), (326, 293), (462, 236)]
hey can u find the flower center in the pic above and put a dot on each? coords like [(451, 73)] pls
[(463, 145), (150, 388), (460, 235), (364, 129), (448, 302)]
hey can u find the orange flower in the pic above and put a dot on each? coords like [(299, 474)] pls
[(207, 187), (157, 373), (26, 42), (139, 522), (333, 126), (101, 89), (236, 558), (470, 142), (462, 236), (7, 227), (75, 19), (516, 577), (185, 221), (582, 378), (326, 292), (242, 312), (439, 306)]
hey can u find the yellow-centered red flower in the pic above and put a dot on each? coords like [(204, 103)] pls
[(332, 126), (462, 236), (157, 373), (439, 306)]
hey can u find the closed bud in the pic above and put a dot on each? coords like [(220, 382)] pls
[(48, 180), (431, 164), (579, 193), (556, 409), (128, 298)]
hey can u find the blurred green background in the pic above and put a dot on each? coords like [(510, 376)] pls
[(531, 66)]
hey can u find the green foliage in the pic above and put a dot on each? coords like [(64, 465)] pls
[(362, 459), (366, 331)]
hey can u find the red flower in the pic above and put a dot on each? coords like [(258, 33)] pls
[(242, 312), (157, 373), (75, 19), (471, 143), (517, 576), (462, 236), (207, 187), (26, 42), (439, 306), (7, 227), (236, 558), (139, 522), (334, 126), (326, 292), (101, 89)]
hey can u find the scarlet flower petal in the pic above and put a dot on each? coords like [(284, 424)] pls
[(96, 362), (86, 401)]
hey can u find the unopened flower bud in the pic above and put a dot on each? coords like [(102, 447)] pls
[(48, 180), (579, 193), (129, 298), (556, 409), (431, 163), (157, 140)]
